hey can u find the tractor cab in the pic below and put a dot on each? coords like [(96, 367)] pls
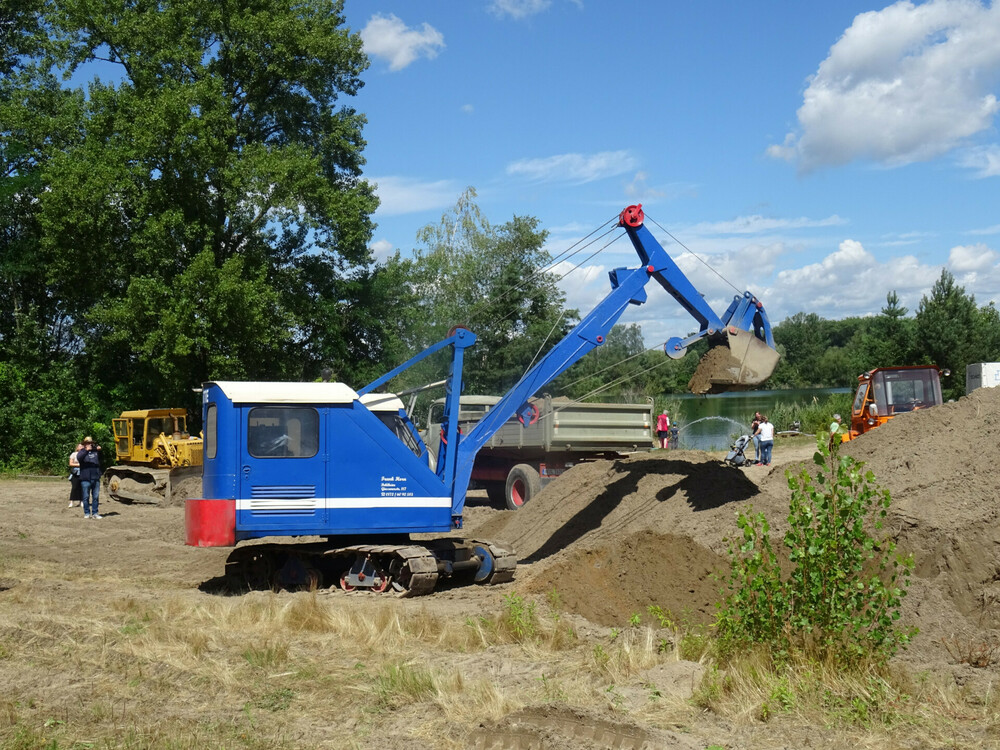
[(886, 392)]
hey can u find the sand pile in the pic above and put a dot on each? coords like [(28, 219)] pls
[(614, 536)]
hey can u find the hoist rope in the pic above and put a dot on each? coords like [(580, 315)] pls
[(562, 257), (695, 255)]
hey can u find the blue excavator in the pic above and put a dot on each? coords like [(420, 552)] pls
[(321, 460)]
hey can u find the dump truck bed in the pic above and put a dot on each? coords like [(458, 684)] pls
[(562, 426), (570, 427)]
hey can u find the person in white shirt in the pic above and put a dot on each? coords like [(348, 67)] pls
[(765, 431)]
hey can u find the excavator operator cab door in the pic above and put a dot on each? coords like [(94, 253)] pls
[(283, 462)]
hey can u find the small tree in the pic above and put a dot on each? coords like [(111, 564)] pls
[(841, 595)]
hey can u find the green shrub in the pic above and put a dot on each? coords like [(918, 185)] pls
[(841, 595)]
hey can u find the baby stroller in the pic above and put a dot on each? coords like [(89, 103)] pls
[(736, 455)]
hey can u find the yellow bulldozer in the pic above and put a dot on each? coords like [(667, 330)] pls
[(157, 459)]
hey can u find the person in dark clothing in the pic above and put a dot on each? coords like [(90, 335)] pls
[(756, 438), (90, 476)]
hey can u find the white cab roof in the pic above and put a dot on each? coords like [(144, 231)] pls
[(256, 392), (382, 402)]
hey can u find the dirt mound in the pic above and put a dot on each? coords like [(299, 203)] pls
[(609, 582), (561, 728), (184, 488), (940, 466), (614, 536)]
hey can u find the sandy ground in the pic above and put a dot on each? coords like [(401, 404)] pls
[(611, 538)]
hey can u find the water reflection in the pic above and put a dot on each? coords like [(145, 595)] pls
[(713, 422)]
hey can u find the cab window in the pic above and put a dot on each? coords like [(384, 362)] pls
[(211, 426), (283, 432)]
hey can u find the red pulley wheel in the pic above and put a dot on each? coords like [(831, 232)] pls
[(632, 217)]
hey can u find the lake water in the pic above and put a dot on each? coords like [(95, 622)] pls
[(711, 422)]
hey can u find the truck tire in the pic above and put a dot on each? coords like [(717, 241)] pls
[(523, 484)]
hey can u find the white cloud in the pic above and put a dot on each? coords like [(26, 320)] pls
[(965, 258), (518, 9), (389, 38), (849, 281), (757, 224), (640, 191), (903, 84), (995, 229), (401, 195), (382, 249), (576, 168), (468, 109), (984, 159)]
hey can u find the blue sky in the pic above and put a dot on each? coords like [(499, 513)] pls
[(818, 154)]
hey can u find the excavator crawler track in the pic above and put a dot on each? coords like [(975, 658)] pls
[(404, 570)]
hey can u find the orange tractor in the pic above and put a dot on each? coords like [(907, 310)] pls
[(886, 392)]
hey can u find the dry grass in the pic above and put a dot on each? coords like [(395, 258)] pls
[(132, 670), (867, 708), (91, 661)]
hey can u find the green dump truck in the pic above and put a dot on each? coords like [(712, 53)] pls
[(521, 459)]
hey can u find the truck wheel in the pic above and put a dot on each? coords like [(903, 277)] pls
[(522, 485)]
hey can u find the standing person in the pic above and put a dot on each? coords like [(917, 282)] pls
[(766, 432), (755, 437), (663, 429), (90, 476), (74, 477)]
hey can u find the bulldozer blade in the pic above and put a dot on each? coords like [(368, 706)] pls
[(183, 482), (142, 484), (737, 360)]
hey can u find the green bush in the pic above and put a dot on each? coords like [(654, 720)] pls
[(840, 594)]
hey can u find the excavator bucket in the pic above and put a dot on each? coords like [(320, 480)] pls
[(737, 360)]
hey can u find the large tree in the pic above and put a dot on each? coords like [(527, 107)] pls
[(492, 279), (952, 332), (887, 340), (189, 209)]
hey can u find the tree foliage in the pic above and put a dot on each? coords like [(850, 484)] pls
[(815, 351), (491, 279), (953, 332), (196, 210), (841, 596), (948, 330)]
